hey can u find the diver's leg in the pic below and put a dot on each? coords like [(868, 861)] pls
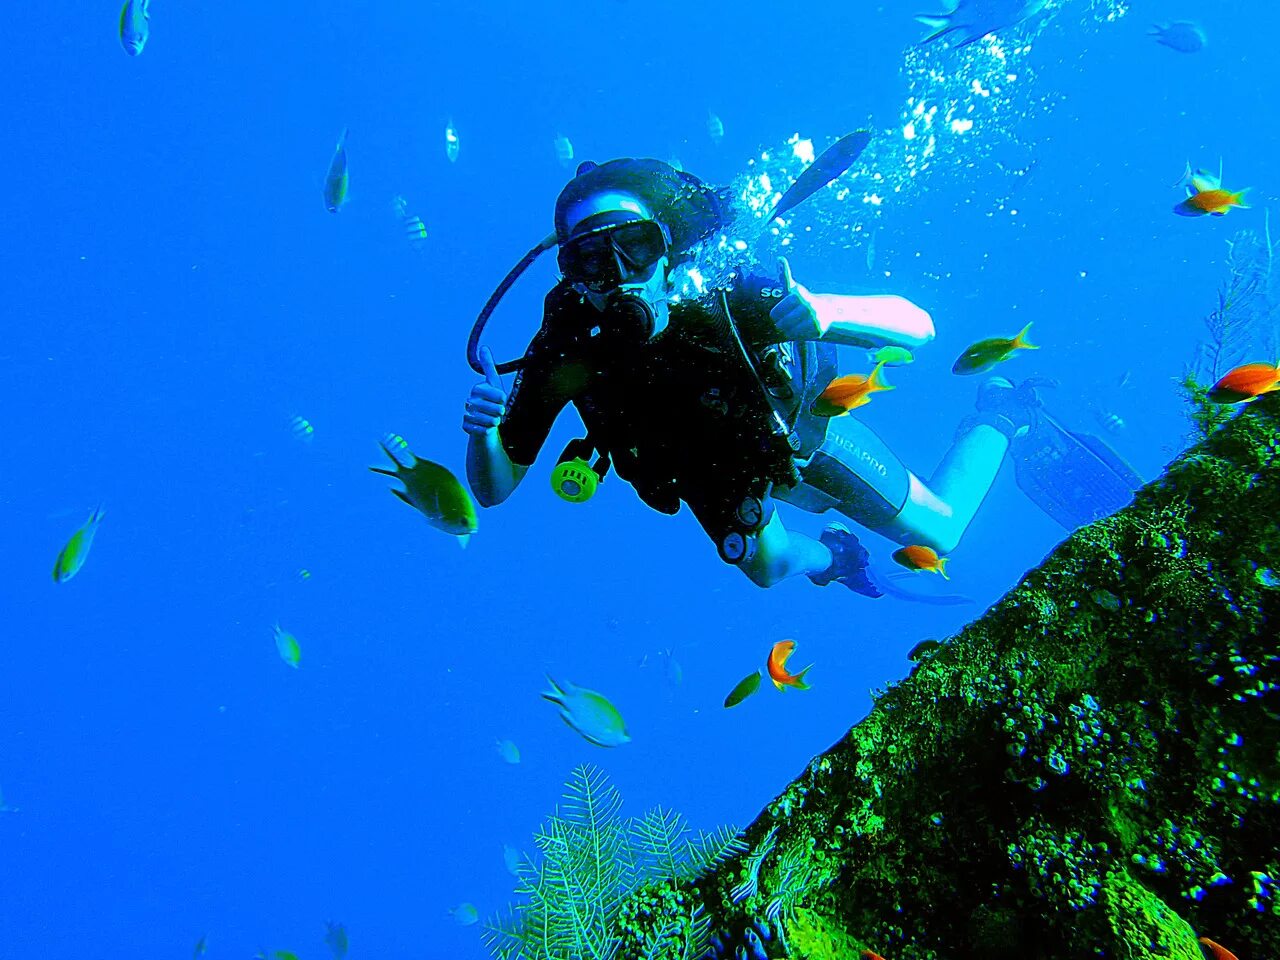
[(781, 554), (855, 472), (772, 552), (936, 514)]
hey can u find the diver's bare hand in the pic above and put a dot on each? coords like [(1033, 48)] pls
[(488, 400)]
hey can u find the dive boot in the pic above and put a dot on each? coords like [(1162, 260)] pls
[(1010, 409), (849, 562)]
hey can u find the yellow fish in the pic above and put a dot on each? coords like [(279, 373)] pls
[(74, 554)]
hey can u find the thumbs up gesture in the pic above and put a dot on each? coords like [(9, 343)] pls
[(795, 315), (487, 401)]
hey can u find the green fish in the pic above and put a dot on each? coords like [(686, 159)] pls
[(135, 26), (745, 688), (589, 713), (202, 946), (336, 180), (985, 354), (287, 646), (76, 552), (431, 490), (891, 356)]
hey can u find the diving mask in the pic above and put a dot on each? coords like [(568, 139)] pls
[(613, 254)]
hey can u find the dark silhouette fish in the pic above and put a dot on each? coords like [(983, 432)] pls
[(1181, 35), (835, 160), (976, 18)]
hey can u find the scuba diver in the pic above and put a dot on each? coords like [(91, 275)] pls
[(701, 393)]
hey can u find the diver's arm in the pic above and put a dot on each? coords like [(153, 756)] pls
[(492, 474), (875, 321)]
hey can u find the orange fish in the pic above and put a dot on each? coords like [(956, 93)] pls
[(1206, 195), (870, 955), (777, 666), (921, 558), (849, 392), (1246, 382), (1213, 951), (985, 354)]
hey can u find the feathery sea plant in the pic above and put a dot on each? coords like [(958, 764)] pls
[(1244, 327), (794, 878), (591, 860), (751, 881)]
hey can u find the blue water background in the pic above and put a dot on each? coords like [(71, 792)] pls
[(174, 291)]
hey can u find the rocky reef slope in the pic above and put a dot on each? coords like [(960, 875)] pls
[(1090, 770)]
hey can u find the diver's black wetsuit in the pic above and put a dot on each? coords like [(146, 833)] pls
[(713, 411)]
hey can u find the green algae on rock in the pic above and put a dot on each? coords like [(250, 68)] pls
[(1065, 777)]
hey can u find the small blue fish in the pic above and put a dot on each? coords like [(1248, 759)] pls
[(337, 179), (415, 231), (452, 144), (589, 713), (135, 26), (674, 673), (508, 751), (335, 939), (302, 429), (977, 18), (512, 860), (564, 149), (1181, 35), (715, 127), (465, 914), (1109, 420)]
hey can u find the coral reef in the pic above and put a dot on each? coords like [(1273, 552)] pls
[(1092, 769)]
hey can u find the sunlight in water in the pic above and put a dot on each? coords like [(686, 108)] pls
[(961, 116)]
